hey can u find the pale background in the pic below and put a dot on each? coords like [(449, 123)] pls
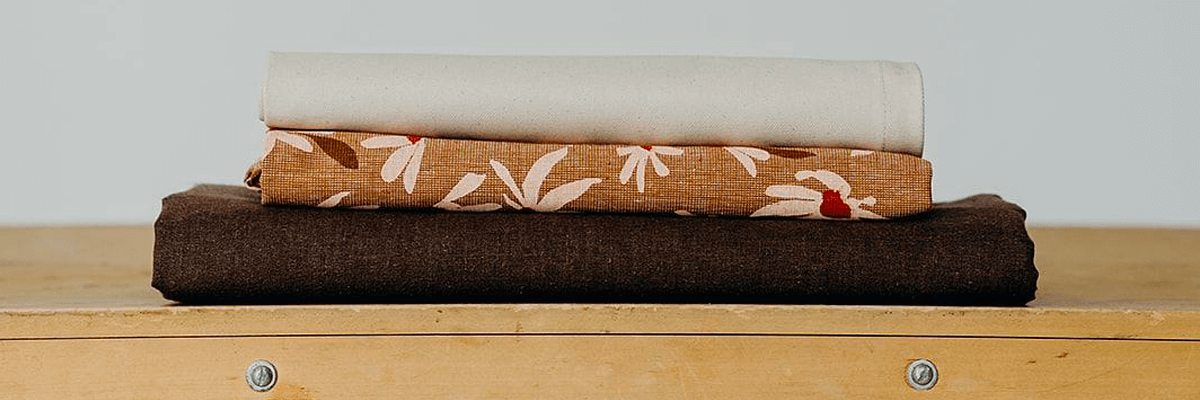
[(1083, 112)]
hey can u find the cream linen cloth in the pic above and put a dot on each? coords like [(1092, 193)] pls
[(659, 100)]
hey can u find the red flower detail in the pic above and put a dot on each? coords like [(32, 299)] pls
[(413, 139), (832, 205), (647, 147)]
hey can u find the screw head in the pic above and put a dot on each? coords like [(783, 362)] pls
[(922, 374), (261, 376)]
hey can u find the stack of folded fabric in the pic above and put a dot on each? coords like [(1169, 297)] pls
[(590, 179)]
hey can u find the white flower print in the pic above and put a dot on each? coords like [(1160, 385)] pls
[(336, 200), (834, 203), (465, 186), (747, 155), (294, 140), (528, 197), (333, 201), (405, 160), (638, 156)]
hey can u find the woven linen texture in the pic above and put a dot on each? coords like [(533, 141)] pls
[(217, 244), (368, 171), (668, 100)]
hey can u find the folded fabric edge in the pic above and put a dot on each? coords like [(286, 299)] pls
[(904, 94), (885, 169), (252, 177), (307, 90), (1021, 284)]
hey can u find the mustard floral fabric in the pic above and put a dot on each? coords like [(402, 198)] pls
[(370, 171)]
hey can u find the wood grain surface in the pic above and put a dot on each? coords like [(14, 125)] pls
[(598, 367), (1109, 283), (1117, 316)]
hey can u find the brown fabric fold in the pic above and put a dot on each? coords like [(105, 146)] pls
[(217, 244), (367, 170)]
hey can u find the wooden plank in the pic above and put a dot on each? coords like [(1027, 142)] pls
[(77, 267), (1096, 283), (1087, 268), (619, 367), (598, 319), (1120, 269), (1118, 316), (106, 267)]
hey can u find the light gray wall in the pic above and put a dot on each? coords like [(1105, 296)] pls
[(1083, 112)]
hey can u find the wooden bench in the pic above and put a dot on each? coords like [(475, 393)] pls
[(1117, 316)]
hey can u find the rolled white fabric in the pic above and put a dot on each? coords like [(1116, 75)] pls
[(683, 100)]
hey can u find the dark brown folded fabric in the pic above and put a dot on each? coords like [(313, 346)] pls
[(217, 244)]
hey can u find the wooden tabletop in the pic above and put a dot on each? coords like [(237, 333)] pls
[(94, 282)]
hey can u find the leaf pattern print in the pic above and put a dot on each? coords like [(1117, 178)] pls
[(447, 174), (790, 153), (338, 151), (527, 195), (834, 203), (333, 201), (294, 140), (638, 157), (465, 186), (405, 160), (747, 155)]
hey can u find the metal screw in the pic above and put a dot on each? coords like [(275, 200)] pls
[(261, 376), (922, 374)]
